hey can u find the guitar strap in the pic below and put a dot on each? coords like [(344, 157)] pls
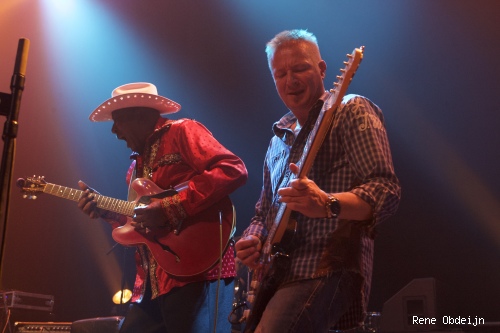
[(132, 194), (298, 145)]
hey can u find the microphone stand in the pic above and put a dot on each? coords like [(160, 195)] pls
[(10, 134)]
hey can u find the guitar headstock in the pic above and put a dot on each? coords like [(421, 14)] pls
[(31, 186), (351, 66)]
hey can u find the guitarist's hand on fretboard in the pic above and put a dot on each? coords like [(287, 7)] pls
[(248, 251), (87, 203)]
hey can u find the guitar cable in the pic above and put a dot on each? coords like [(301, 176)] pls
[(216, 314)]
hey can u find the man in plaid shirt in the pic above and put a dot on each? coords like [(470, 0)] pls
[(350, 188)]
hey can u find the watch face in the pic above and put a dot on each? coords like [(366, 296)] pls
[(334, 206)]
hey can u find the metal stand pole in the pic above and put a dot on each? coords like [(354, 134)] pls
[(9, 138)]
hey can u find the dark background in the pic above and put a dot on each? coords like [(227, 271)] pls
[(432, 66)]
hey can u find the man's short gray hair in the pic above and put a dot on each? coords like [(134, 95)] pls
[(286, 36)]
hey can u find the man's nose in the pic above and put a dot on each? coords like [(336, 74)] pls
[(291, 80)]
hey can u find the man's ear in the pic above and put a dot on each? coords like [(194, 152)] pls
[(322, 67)]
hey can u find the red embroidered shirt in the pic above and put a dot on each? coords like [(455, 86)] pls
[(185, 151)]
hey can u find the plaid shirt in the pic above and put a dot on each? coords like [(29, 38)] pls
[(355, 157)]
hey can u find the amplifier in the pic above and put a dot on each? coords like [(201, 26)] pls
[(29, 301), (49, 327)]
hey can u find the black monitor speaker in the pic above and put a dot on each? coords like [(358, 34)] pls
[(419, 306)]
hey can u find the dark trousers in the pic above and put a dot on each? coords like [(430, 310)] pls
[(308, 306), (189, 309)]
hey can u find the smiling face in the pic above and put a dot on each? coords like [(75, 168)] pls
[(298, 72), (134, 126)]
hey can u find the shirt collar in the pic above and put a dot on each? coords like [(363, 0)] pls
[(286, 122)]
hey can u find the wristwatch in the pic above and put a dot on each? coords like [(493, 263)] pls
[(332, 206)]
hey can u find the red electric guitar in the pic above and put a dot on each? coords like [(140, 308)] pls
[(194, 247)]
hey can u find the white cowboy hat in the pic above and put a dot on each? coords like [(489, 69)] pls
[(138, 94)]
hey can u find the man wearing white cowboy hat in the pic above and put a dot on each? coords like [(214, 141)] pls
[(173, 292)]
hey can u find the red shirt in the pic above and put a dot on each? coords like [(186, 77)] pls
[(185, 151)]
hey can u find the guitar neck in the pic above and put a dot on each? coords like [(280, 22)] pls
[(107, 203), (315, 140)]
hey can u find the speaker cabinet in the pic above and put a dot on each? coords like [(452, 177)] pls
[(419, 306)]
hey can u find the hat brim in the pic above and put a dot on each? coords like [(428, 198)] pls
[(160, 103)]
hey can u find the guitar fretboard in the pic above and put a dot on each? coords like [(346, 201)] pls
[(107, 203)]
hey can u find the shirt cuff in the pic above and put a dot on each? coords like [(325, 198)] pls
[(173, 210)]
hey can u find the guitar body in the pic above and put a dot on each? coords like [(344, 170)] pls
[(274, 265), (195, 248), (268, 277)]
